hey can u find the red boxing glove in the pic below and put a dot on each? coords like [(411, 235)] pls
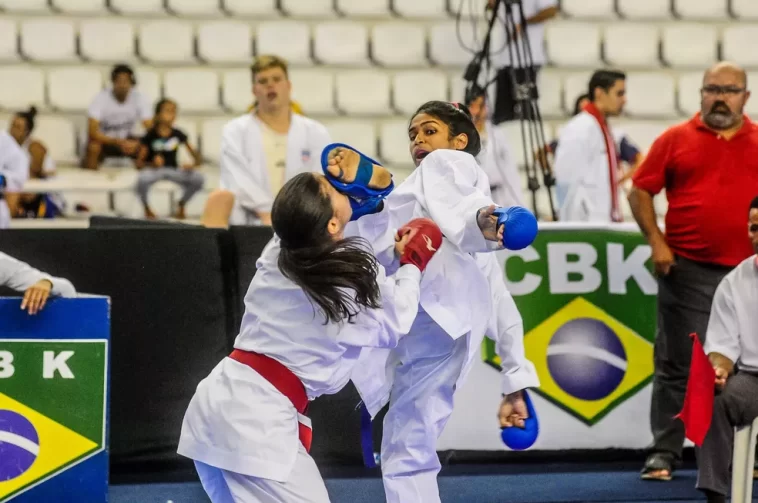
[(425, 240)]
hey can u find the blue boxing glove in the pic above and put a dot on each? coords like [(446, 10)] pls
[(520, 439), (3, 182), (363, 199), (520, 226)]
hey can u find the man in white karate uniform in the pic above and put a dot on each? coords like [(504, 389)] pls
[(261, 150), (14, 172), (36, 285), (586, 164)]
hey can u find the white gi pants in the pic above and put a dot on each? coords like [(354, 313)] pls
[(305, 485), (5, 215), (428, 363)]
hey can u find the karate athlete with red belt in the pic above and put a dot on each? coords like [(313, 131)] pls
[(317, 300), (463, 294)]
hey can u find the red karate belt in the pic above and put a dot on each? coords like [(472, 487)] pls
[(287, 383), (697, 411)]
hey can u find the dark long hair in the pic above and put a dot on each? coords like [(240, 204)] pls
[(338, 276), (458, 119)]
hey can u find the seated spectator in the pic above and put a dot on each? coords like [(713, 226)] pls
[(14, 172), (158, 159), (113, 115), (36, 285), (731, 343), (41, 166)]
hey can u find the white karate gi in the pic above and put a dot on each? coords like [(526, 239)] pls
[(582, 178), (243, 162), (14, 166), (463, 298), (20, 276), (241, 431), (499, 163)]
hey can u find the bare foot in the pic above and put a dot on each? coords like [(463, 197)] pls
[(343, 165)]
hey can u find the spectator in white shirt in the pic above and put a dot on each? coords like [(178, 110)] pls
[(731, 343), (14, 172), (36, 285), (512, 57), (113, 115)]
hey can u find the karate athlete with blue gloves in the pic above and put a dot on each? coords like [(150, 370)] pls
[(463, 293)]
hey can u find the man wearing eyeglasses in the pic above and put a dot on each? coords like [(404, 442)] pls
[(709, 169)]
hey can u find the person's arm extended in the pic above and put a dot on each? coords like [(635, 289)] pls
[(93, 130)]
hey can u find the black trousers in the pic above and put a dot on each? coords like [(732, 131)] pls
[(506, 107), (684, 307), (736, 406)]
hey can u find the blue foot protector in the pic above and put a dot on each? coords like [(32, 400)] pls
[(520, 439), (520, 227), (363, 199)]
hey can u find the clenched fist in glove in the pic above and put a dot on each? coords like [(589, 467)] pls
[(423, 238)]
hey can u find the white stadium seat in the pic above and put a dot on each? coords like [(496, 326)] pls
[(237, 90), (356, 133), (589, 9), (573, 44), (340, 43), (194, 89), (641, 133), (650, 95), (420, 9), (363, 92), (550, 90), (314, 90), (413, 88), (59, 136), (363, 8), (24, 6), (394, 145), (737, 44), (745, 9), (194, 7), (457, 87), (289, 39), (148, 83), (575, 85), (211, 137), (444, 47), (690, 45), (688, 92), (751, 108), (140, 7), (73, 89), (48, 40), (79, 6), (307, 8), (225, 42), (250, 7), (8, 40), (166, 41), (106, 40), (632, 45), (28, 87), (644, 9), (190, 129), (398, 44), (707, 10)]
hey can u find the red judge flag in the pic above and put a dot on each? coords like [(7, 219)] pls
[(698, 401)]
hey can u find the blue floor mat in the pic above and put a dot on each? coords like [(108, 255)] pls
[(551, 487)]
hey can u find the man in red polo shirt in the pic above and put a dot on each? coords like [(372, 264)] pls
[(709, 168)]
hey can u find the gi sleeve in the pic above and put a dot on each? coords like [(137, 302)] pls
[(506, 329), (722, 335), (20, 276), (237, 173), (17, 170)]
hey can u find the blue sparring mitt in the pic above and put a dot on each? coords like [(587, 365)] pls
[(363, 199), (520, 439), (3, 182), (520, 226)]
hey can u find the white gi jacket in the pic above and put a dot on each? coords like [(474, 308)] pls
[(20, 276), (243, 162), (237, 420), (582, 178), (14, 166), (499, 163), (462, 289)]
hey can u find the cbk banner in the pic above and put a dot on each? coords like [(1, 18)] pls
[(588, 300), (54, 401)]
